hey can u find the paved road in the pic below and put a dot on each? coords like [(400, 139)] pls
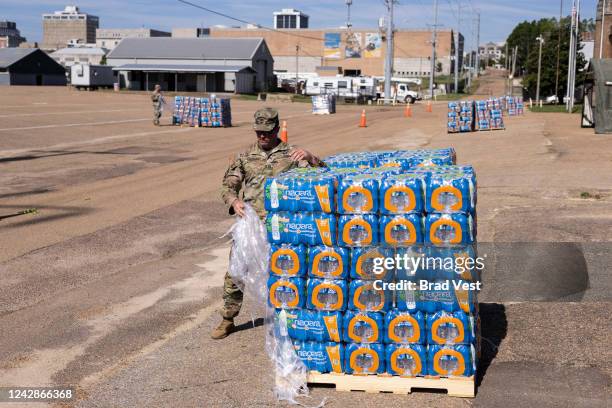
[(114, 284)]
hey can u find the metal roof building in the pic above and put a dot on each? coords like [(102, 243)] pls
[(29, 66), (242, 65)]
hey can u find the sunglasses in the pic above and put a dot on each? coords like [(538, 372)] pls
[(265, 134)]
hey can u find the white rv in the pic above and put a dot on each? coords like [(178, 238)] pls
[(91, 76), (345, 87)]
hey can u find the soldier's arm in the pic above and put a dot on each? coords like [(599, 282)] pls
[(232, 183)]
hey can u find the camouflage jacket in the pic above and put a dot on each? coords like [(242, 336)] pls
[(248, 173), (157, 100)]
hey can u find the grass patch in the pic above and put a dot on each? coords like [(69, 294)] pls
[(586, 195), (555, 109), (450, 97), (246, 97)]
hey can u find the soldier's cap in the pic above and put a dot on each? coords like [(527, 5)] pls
[(266, 120)]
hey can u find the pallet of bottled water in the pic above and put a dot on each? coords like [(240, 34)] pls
[(369, 270), (202, 112), (323, 104)]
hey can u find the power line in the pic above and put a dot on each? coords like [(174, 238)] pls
[(247, 22)]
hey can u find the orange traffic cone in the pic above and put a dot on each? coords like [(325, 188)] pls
[(429, 107), (283, 136), (362, 122), (408, 111)]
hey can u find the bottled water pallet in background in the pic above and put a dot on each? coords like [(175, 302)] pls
[(456, 387)]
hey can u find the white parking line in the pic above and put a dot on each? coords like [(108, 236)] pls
[(71, 145), (75, 124), (66, 113)]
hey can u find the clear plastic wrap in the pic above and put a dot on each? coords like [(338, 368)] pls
[(249, 265)]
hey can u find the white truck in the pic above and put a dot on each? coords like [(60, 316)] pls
[(91, 76), (402, 89)]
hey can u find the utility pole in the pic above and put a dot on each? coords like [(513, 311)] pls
[(478, 47), (434, 35), (389, 53), (576, 36), (558, 51), (603, 19), (571, 74), (457, 47), (297, 64), (540, 39), (348, 13)]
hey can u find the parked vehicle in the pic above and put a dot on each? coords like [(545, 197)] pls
[(355, 88), (400, 91), (91, 76)]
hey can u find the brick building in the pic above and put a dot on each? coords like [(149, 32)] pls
[(61, 27), (362, 53)]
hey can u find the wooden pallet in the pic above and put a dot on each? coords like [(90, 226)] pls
[(456, 387)]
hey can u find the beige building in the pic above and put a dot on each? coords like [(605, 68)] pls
[(604, 44), (190, 32), (78, 55), (61, 27), (361, 53), (109, 38)]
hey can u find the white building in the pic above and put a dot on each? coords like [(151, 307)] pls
[(290, 18), (491, 51), (79, 55), (109, 37)]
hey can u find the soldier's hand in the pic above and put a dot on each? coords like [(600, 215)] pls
[(238, 207), (301, 154)]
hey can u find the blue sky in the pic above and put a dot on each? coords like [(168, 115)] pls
[(498, 17)]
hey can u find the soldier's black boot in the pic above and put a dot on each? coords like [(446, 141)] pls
[(224, 329)]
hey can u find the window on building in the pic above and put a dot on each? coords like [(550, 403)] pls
[(303, 22), (342, 84), (279, 21), (292, 22)]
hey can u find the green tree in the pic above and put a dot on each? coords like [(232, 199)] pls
[(103, 60), (524, 36)]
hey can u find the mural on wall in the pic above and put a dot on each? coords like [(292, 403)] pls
[(373, 44), (331, 49), (353, 45)]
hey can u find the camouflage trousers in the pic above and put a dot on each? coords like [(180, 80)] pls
[(232, 297), (156, 115)]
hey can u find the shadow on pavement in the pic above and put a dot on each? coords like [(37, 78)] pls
[(494, 327)]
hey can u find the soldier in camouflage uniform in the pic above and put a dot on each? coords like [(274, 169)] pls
[(244, 183), (158, 100)]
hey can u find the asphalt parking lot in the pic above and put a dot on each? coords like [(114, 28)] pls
[(115, 283)]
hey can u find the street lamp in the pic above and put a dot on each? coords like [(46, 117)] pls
[(540, 39)]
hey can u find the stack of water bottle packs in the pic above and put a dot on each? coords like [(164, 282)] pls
[(338, 235), (514, 105), (202, 112), (489, 115), (324, 104), (460, 117)]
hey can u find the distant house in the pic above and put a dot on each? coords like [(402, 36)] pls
[(29, 66), (241, 65)]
